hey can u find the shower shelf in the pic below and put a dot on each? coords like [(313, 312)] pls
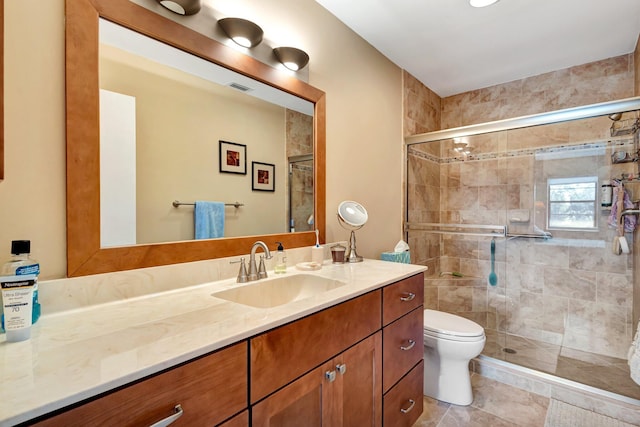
[(627, 159)]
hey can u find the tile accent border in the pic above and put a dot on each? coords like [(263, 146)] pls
[(621, 142)]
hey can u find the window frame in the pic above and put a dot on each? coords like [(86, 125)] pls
[(573, 180)]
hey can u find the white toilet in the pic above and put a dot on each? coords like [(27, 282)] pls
[(450, 342)]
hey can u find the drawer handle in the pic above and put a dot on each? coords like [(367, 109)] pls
[(330, 375), (408, 347), (171, 418), (412, 403), (410, 296), (342, 368)]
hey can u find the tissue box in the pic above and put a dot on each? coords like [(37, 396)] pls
[(402, 257)]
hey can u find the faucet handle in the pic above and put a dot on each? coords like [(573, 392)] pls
[(262, 271), (243, 277)]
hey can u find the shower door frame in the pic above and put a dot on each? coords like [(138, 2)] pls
[(564, 115), (558, 116)]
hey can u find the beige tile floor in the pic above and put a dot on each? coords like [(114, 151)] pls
[(494, 404), (603, 372)]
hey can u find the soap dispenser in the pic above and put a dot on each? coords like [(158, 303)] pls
[(281, 260)]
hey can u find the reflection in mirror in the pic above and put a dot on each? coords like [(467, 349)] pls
[(85, 253), (162, 114)]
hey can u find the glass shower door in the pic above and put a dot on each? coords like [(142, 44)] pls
[(301, 193)]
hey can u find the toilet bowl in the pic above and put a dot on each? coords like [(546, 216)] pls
[(450, 342)]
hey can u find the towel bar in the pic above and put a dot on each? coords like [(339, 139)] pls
[(177, 203)]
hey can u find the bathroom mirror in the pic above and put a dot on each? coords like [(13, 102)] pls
[(353, 213), (84, 252), (163, 113)]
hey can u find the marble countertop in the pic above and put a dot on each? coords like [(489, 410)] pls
[(76, 354)]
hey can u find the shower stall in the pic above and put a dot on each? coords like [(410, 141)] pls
[(521, 234), (300, 195)]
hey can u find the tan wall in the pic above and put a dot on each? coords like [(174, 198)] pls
[(364, 123), (32, 194), (590, 83), (422, 106)]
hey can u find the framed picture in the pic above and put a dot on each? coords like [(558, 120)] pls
[(233, 158), (263, 176)]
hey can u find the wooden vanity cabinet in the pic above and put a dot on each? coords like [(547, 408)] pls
[(210, 390), (403, 348), (358, 363), (295, 369)]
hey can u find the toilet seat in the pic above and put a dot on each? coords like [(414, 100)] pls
[(439, 324)]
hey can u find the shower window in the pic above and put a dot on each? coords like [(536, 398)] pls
[(572, 203)]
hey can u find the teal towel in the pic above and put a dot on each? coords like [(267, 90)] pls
[(209, 220)]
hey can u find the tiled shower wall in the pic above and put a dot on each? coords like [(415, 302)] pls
[(563, 291), (299, 134)]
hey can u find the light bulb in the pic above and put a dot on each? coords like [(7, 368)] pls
[(482, 3)]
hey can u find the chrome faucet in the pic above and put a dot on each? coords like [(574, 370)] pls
[(256, 273)]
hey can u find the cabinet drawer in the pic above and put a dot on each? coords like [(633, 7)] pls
[(403, 342), (285, 353), (403, 404), (402, 297), (209, 389)]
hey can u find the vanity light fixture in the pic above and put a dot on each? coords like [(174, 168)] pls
[(291, 57), (182, 7), (482, 3), (243, 32)]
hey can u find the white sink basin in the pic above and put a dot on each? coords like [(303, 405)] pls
[(277, 291)]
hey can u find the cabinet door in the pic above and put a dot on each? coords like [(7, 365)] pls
[(209, 390), (346, 391), (285, 353), (307, 401), (359, 385)]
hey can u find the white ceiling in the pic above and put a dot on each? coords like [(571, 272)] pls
[(452, 47)]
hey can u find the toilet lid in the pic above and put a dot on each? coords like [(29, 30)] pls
[(440, 322)]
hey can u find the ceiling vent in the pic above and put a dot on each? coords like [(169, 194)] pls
[(240, 87)]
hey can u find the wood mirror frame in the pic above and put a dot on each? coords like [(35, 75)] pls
[(84, 254)]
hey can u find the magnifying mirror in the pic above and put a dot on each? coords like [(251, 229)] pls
[(352, 216)]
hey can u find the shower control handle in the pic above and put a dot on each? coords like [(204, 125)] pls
[(408, 347), (409, 296)]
